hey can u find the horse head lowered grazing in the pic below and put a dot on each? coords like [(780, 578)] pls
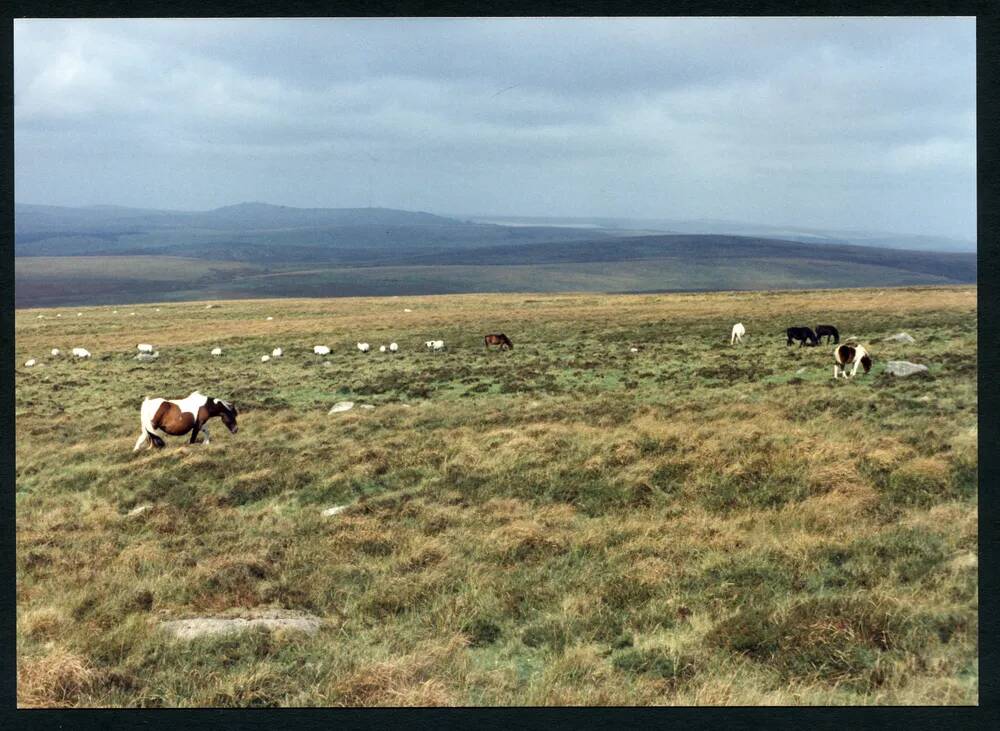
[(177, 418)]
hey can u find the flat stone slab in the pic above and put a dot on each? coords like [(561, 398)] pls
[(341, 406), (334, 510), (189, 629), (148, 356), (900, 338), (367, 406), (139, 510), (903, 368)]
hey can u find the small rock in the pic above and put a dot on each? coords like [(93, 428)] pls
[(341, 406), (29, 363), (633, 350), (900, 338), (148, 356), (800, 371), (903, 368), (268, 318), (265, 358), (965, 561), (139, 510), (188, 629), (367, 406), (334, 510), (407, 309)]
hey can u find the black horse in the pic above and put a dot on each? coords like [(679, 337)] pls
[(804, 335), (829, 331)]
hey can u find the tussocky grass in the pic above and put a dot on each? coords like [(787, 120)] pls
[(565, 523)]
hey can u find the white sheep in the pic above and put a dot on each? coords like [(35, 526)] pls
[(216, 351), (79, 314), (633, 349), (265, 358), (381, 348), (59, 315), (434, 344), (28, 363), (393, 347), (55, 352), (321, 350), (144, 348), (81, 352), (364, 347), (269, 318), (407, 309), (277, 353)]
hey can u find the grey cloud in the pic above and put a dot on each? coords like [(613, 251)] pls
[(856, 122)]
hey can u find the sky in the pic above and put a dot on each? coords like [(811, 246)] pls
[(866, 124)]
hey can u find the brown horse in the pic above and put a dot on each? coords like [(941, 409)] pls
[(498, 339), (177, 418)]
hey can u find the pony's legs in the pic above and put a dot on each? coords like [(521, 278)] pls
[(205, 432), (143, 439)]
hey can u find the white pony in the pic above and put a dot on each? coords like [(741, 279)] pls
[(738, 332)]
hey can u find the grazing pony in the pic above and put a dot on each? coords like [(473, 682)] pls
[(829, 331), (177, 418), (846, 354), (738, 332), (498, 339), (802, 334)]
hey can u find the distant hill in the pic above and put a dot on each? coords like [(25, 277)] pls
[(917, 242), (105, 254)]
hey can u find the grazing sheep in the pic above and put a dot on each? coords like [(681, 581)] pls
[(144, 348), (381, 348), (216, 351), (321, 350), (54, 351), (633, 350), (738, 332), (393, 348), (277, 353), (434, 344), (29, 363), (265, 358), (364, 347), (81, 352)]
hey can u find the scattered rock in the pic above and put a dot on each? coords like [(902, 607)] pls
[(904, 368), (148, 356), (407, 309), (900, 338), (265, 358), (334, 510), (189, 629), (367, 406), (29, 363), (633, 350), (268, 318), (139, 510), (801, 370), (341, 406)]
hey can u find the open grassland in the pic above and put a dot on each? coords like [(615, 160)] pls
[(565, 523)]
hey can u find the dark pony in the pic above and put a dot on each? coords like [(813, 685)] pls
[(498, 339), (829, 331), (177, 418), (802, 334)]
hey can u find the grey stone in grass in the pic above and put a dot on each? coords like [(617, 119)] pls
[(194, 627), (336, 510), (148, 356), (139, 510), (903, 368), (367, 406), (900, 338), (341, 406), (800, 371)]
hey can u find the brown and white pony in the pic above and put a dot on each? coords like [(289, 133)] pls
[(848, 354), (176, 418), (498, 339)]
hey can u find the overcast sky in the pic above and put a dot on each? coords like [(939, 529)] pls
[(860, 123)]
